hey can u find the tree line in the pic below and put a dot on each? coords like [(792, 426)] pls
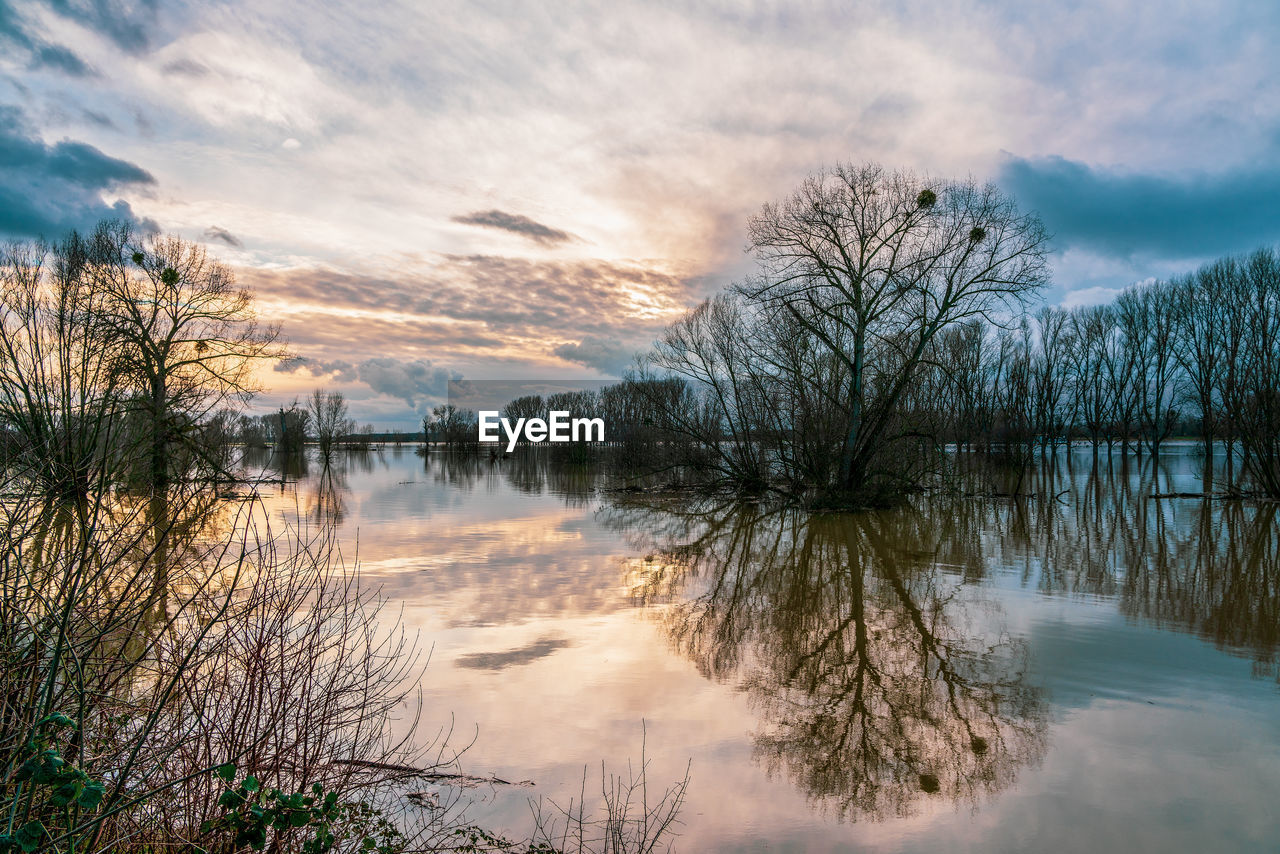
[(323, 419), (888, 319), (1196, 354)]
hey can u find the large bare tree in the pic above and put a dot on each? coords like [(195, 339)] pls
[(876, 264), (191, 337)]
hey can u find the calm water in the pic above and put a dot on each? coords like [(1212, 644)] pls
[(1094, 671)]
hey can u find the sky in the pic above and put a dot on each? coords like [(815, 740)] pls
[(502, 190)]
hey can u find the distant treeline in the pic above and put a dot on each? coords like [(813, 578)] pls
[(322, 420)]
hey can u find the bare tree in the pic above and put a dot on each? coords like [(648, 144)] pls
[(329, 420), (1120, 370), (1259, 399), (1233, 333), (874, 265), (1196, 320), (1049, 370), (1147, 321), (1091, 329), (713, 346), (61, 389), (191, 337)]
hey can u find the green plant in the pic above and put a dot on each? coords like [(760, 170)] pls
[(318, 820), (56, 790)]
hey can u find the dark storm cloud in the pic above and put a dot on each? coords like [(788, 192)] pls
[(516, 224), (213, 232), (1126, 214), (50, 189)]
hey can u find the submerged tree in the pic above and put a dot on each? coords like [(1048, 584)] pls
[(329, 421), (862, 271), (190, 335), (61, 390)]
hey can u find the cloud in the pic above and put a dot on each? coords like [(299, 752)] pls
[(213, 232), (11, 27), (1126, 214), (62, 59), (483, 303), (126, 24), (516, 224), (41, 53), (99, 119), (415, 381), (185, 67), (606, 355), (1089, 296), (337, 370), (50, 189)]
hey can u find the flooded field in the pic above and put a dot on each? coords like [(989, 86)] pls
[(1087, 669)]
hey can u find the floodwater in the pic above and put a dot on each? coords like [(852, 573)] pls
[(1084, 669)]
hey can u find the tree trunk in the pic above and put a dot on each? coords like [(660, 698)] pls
[(847, 477), (159, 436)]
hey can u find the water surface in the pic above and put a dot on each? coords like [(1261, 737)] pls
[(1086, 669)]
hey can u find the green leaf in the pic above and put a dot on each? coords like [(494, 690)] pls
[(30, 835), (227, 772), (256, 836), (66, 793), (91, 796), (251, 784), (56, 718)]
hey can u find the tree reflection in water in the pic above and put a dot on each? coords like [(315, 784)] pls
[(879, 681), (871, 643), (1205, 566)]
